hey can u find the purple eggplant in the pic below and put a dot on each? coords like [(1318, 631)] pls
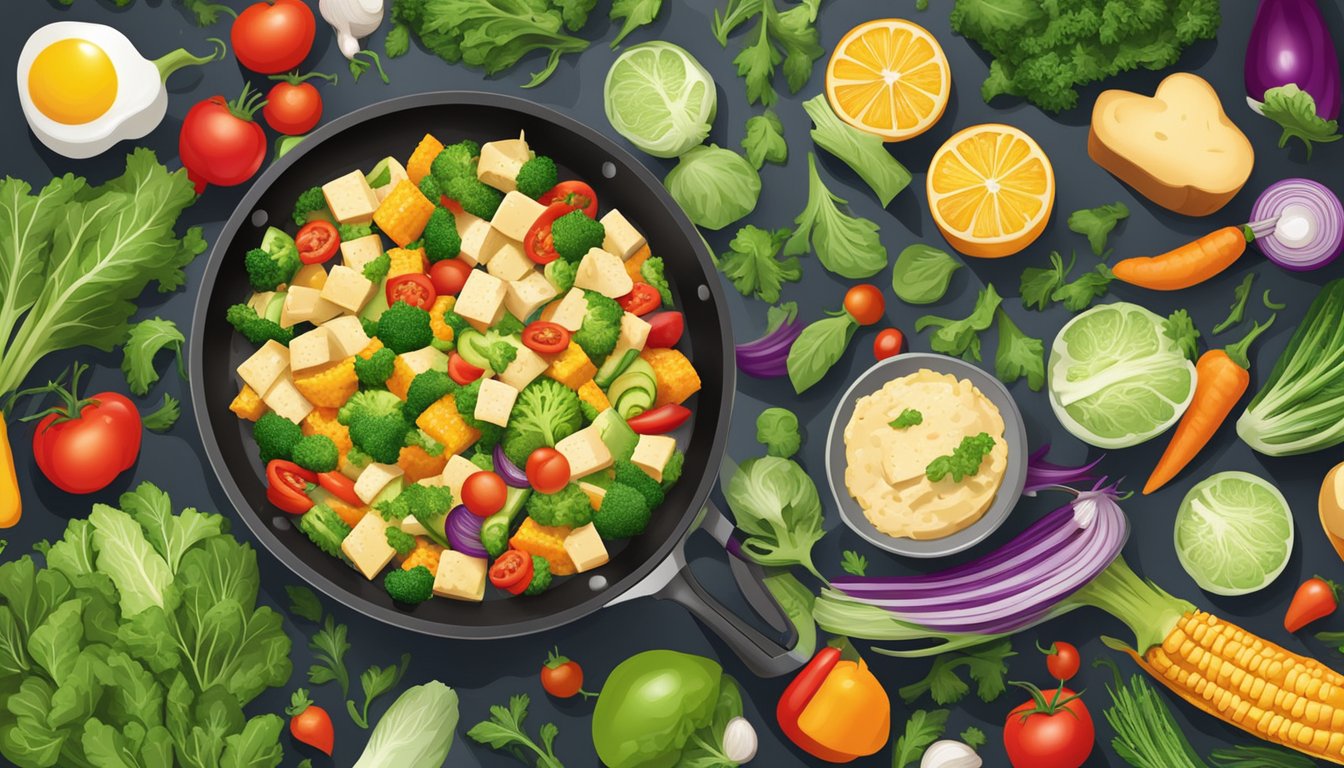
[(1290, 44)]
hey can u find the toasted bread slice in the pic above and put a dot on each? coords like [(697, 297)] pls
[(1177, 148)]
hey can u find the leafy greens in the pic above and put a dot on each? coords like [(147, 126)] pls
[(714, 186), (636, 13), (845, 245), (788, 36), (922, 729), (1018, 355), (146, 339), (776, 505), (922, 273), (961, 338), (504, 730), (1295, 111), (865, 153), (777, 430), (417, 730), (750, 263), (163, 418), (764, 140), (1096, 224), (819, 347), (987, 666)]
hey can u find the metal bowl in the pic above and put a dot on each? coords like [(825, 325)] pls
[(1014, 433)]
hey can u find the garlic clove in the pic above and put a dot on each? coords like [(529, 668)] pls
[(950, 754), (739, 741)]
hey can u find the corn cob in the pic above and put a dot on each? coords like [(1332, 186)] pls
[(426, 553), (248, 404), (545, 541), (404, 213), (593, 395), (572, 367), (442, 306), (322, 421), (442, 422), (400, 381), (422, 158), (328, 386), (677, 378), (418, 464), (406, 261)]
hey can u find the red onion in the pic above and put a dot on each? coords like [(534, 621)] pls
[(1309, 231), (463, 530), (1290, 43), (1043, 474), (767, 357), (512, 475)]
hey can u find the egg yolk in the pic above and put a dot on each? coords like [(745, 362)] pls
[(72, 81)]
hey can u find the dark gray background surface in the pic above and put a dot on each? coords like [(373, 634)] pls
[(488, 673)]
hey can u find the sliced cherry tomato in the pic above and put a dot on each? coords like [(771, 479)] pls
[(540, 248), (287, 486), (340, 486), (547, 470), (865, 304), (484, 493), (660, 420), (575, 194), (461, 371), (546, 338), (888, 343), (317, 241), (416, 290), (449, 275), (665, 329), (512, 571), (641, 300)]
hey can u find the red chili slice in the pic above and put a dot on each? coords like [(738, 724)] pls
[(287, 486), (575, 194), (660, 420)]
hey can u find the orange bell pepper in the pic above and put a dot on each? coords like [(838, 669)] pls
[(11, 507), (835, 709)]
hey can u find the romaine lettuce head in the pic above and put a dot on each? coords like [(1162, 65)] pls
[(416, 731)]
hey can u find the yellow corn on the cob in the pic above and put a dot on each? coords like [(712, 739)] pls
[(400, 381), (422, 158), (406, 261), (426, 553), (572, 367), (545, 541), (442, 306), (404, 213), (636, 261), (328, 386), (248, 404), (442, 422), (322, 421), (374, 345), (593, 395), (418, 464), (677, 378)]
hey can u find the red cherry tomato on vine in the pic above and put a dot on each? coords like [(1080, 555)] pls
[(574, 194), (310, 724), (317, 241), (293, 105), (888, 343), (449, 275), (273, 37), (1062, 660), (1059, 734), (865, 304), (484, 493), (220, 143), (547, 470)]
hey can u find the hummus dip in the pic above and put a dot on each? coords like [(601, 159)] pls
[(886, 465)]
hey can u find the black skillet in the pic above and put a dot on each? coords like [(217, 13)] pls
[(652, 564)]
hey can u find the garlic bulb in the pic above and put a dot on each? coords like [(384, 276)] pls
[(739, 741), (950, 754), (352, 20)]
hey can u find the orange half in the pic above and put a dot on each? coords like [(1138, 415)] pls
[(889, 77)]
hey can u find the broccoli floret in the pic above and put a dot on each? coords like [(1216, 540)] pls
[(601, 326), (465, 399), (377, 424), (375, 370), (475, 196), (545, 413), (358, 459), (652, 270), (574, 234), (672, 472), (409, 587), (441, 240), (537, 176), (403, 328), (541, 576), (457, 322), (316, 453), (455, 161), (312, 201), (624, 512), (428, 504), (266, 272), (276, 436), (500, 354), (627, 473), (431, 189), (561, 274), (588, 410), (568, 507), (495, 528), (354, 231), (425, 390), (421, 439), (483, 461), (370, 328), (375, 271), (256, 328), (324, 528), (399, 540)]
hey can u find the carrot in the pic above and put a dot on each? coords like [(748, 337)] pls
[(11, 506), (1222, 376), (1191, 264)]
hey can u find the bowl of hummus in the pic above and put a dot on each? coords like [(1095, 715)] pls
[(926, 455)]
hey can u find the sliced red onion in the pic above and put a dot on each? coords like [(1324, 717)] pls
[(511, 474), (463, 530), (766, 357), (1043, 474), (1308, 224)]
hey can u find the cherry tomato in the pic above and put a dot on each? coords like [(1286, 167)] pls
[(220, 144), (888, 343), (574, 194), (660, 420), (414, 289), (273, 37), (1062, 660), (1059, 738), (641, 300), (449, 275), (665, 329), (293, 105), (547, 470), (317, 241), (310, 724), (1315, 599), (340, 486), (546, 338), (484, 493), (82, 446), (538, 244), (865, 304), (561, 677), (511, 571), (461, 371), (287, 486)]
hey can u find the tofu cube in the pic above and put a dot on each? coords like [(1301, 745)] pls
[(285, 399), (309, 350), (500, 162), (357, 253), (495, 402), (516, 215), (366, 546), (412, 526), (528, 295), (460, 577), (527, 366), (634, 332), (306, 305), (621, 238), (425, 359), (603, 272), (265, 367), (348, 289), (595, 493), (261, 302), (652, 453), (350, 198), (347, 336), (456, 472), (310, 276), (571, 311), (475, 232), (585, 548), (585, 451), (374, 479), (385, 176), (510, 263), (481, 301)]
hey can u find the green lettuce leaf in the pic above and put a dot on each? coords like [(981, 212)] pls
[(846, 245), (764, 140), (751, 264), (864, 152), (1295, 111), (146, 339)]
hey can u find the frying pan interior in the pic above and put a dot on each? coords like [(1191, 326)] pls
[(358, 141)]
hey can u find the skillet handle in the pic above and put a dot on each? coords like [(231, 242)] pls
[(764, 656)]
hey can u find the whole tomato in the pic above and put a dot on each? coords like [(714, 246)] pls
[(220, 144), (1062, 660), (1053, 730), (273, 37), (310, 724), (562, 677), (293, 105), (83, 444)]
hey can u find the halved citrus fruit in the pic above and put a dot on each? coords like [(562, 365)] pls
[(991, 190), (889, 77)]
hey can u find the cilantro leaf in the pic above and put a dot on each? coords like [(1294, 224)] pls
[(846, 245), (398, 41), (961, 338), (985, 664), (1237, 311), (974, 738), (1181, 329), (964, 461), (303, 603), (146, 339), (1038, 284), (764, 141), (330, 645), (789, 38), (1295, 111), (751, 266), (1096, 224), (907, 418), (376, 681), (864, 152), (922, 729), (163, 419), (1018, 355), (853, 563), (1079, 294), (504, 730), (636, 13)]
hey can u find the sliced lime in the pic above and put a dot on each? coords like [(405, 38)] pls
[(660, 98), (1234, 533)]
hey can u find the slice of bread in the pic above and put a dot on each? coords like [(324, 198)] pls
[(1177, 148)]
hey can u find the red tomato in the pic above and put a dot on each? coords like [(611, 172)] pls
[(341, 487), (1315, 599), (665, 329), (287, 486), (546, 338), (1061, 737), (537, 242), (273, 37), (317, 241), (547, 470), (574, 194), (641, 300), (484, 493), (449, 275), (1062, 660), (865, 304), (416, 290), (512, 571), (461, 371), (85, 453), (888, 343), (310, 724), (293, 106), (660, 420), (561, 677), (220, 144)]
